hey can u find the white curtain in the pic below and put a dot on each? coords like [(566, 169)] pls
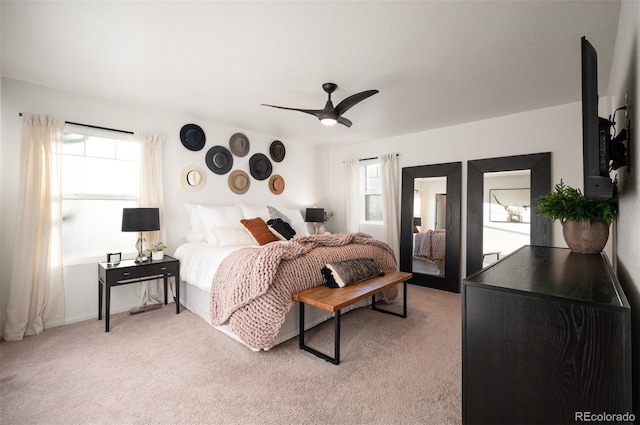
[(352, 201), (389, 181), (424, 211), (150, 183), (36, 297)]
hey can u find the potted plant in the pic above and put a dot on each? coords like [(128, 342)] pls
[(157, 250), (585, 222)]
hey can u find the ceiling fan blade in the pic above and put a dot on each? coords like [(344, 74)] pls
[(344, 122), (347, 103), (314, 112)]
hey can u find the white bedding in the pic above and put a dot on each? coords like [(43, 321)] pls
[(424, 266), (199, 262)]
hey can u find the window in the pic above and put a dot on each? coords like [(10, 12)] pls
[(99, 178), (372, 192)]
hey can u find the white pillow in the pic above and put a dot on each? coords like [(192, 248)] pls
[(229, 236), (297, 221), (191, 236), (301, 229), (195, 232), (219, 217), (253, 211), (293, 214), (274, 213)]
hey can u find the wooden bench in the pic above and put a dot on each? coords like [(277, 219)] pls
[(335, 299)]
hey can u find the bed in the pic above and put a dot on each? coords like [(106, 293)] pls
[(429, 252), (244, 289)]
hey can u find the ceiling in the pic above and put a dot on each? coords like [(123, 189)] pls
[(436, 63)]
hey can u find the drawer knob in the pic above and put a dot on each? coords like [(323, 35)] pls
[(126, 273), (163, 268)]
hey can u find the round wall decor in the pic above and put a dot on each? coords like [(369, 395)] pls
[(192, 178), (239, 144), (260, 166), (277, 151), (192, 137), (239, 182), (276, 184), (219, 160)]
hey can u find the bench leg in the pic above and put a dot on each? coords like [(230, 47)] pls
[(336, 341), (336, 359), (404, 302)]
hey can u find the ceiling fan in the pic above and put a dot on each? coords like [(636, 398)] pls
[(330, 115)]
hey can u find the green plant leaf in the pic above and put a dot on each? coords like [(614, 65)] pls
[(568, 203)]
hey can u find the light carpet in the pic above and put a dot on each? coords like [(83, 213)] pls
[(159, 367)]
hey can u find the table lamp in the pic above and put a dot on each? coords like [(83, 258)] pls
[(417, 221), (140, 220), (315, 216)]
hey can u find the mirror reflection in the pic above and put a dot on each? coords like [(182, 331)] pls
[(506, 213), (501, 193), (430, 225), (429, 230)]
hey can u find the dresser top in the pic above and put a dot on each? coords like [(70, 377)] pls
[(555, 272)]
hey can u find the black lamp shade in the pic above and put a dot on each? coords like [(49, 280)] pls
[(140, 219), (315, 215), (417, 221)]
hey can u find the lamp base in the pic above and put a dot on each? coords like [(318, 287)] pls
[(144, 309), (141, 246), (141, 258)]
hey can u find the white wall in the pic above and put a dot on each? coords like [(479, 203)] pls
[(299, 170), (557, 130), (624, 83)]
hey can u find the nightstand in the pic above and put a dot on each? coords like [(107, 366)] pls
[(128, 271)]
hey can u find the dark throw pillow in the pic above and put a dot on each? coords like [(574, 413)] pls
[(343, 273), (281, 228)]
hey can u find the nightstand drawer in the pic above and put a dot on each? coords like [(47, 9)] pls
[(129, 273), (142, 270)]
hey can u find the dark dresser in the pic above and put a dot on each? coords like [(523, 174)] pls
[(546, 339)]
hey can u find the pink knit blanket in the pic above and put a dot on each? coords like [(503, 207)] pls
[(252, 288), (430, 244)]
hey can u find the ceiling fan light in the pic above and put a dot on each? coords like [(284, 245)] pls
[(328, 121)]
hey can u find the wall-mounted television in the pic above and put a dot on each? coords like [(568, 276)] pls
[(600, 153)]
